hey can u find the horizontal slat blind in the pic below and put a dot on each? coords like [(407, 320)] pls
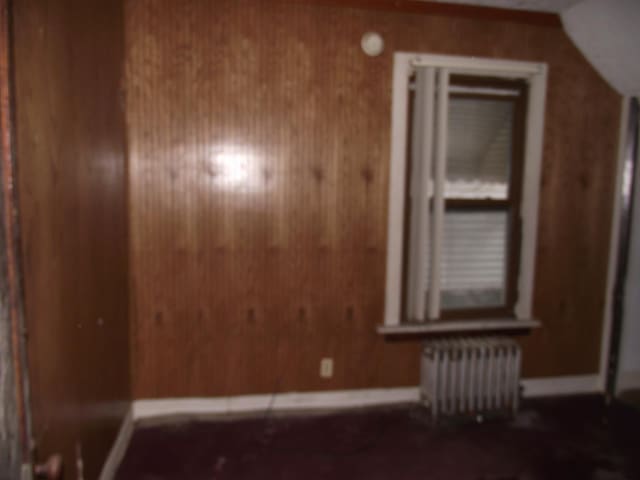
[(473, 259)]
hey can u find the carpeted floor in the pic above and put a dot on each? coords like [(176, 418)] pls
[(572, 438)]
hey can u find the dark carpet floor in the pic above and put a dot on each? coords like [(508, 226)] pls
[(571, 438)]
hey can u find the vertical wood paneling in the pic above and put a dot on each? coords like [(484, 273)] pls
[(258, 146), (71, 182)]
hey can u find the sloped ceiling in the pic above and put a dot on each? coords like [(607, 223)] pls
[(608, 34)]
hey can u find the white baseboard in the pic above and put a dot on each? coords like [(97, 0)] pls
[(629, 380), (280, 401), (118, 449), (558, 386), (149, 408)]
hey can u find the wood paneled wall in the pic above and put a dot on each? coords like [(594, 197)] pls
[(258, 145), (71, 169)]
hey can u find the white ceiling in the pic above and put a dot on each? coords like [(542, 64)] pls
[(556, 6), (606, 31), (608, 34)]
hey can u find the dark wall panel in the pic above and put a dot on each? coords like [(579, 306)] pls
[(259, 139), (71, 163)]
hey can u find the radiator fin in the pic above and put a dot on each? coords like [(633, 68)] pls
[(471, 376)]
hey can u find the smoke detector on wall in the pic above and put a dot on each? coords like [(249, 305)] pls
[(372, 44)]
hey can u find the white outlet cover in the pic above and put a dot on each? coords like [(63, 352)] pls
[(372, 44), (326, 368)]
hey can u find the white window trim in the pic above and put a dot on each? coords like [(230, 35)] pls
[(536, 75)]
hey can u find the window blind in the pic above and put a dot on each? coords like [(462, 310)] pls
[(473, 259)]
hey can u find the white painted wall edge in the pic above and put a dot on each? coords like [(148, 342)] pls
[(142, 409), (119, 448)]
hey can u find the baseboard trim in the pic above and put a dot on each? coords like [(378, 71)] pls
[(277, 402), (150, 408), (119, 448), (558, 386)]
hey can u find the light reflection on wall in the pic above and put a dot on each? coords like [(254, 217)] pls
[(237, 168)]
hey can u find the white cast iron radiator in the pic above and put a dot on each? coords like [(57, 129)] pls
[(470, 376)]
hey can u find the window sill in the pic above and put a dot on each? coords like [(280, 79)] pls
[(458, 326)]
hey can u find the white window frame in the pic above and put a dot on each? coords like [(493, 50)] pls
[(535, 74)]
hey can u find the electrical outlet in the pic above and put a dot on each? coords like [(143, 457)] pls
[(326, 368)]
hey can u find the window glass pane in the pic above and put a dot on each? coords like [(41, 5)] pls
[(479, 147), (474, 259)]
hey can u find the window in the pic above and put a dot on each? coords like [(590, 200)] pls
[(465, 167)]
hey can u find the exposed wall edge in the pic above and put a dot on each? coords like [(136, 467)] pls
[(607, 314)]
